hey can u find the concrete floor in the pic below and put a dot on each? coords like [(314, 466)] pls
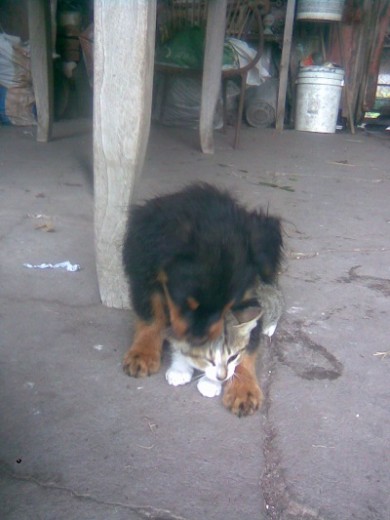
[(81, 440)]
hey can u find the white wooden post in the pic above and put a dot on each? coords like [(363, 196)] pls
[(285, 64), (39, 27), (212, 71), (123, 74)]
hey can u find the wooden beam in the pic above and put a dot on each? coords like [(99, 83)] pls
[(212, 70), (41, 65), (347, 89), (380, 19), (284, 64), (123, 74)]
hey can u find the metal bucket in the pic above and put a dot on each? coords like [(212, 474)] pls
[(318, 99), (327, 10), (260, 104)]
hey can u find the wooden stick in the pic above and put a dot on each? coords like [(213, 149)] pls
[(284, 64)]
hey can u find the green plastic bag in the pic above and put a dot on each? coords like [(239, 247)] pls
[(186, 49)]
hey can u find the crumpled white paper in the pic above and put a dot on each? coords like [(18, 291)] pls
[(61, 265)]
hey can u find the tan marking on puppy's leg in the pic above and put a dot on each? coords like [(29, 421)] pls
[(193, 304), (179, 324), (242, 394), (144, 356), (162, 278)]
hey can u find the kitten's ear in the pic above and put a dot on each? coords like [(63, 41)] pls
[(247, 319)]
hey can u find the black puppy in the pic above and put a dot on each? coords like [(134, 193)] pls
[(190, 257)]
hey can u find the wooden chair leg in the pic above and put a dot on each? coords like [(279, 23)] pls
[(240, 110)]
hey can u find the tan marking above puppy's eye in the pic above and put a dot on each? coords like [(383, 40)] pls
[(192, 303), (162, 277), (227, 307)]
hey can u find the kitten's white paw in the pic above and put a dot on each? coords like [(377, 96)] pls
[(177, 377), (209, 388)]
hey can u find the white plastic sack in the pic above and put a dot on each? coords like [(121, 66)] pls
[(14, 62), (17, 101), (260, 72), (182, 103), (17, 106)]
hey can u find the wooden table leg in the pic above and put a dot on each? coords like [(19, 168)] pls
[(212, 67), (285, 64), (41, 65), (123, 79)]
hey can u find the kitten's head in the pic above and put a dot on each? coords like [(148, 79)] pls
[(219, 358)]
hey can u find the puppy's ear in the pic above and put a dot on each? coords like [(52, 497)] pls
[(266, 244)]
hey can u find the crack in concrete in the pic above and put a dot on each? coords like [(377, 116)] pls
[(280, 502), (143, 512)]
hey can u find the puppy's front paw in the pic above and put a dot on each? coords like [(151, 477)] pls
[(242, 397), (141, 363), (209, 388), (178, 377)]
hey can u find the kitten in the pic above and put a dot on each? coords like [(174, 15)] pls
[(218, 359), (271, 300)]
